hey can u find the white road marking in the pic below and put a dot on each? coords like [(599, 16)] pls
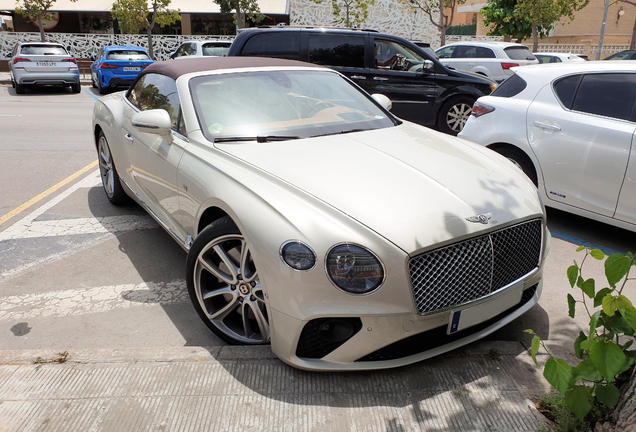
[(92, 300)]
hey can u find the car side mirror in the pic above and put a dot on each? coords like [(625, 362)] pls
[(156, 121), (384, 101), (172, 54), (91, 57), (428, 65)]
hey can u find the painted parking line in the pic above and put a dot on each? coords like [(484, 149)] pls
[(90, 93), (581, 242), (93, 300), (46, 193)]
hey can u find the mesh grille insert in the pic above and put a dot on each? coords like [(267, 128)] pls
[(474, 268)]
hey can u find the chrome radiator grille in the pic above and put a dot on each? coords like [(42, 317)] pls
[(469, 270)]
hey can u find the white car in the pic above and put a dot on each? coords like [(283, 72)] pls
[(547, 57), (570, 128), (315, 219), (201, 48), (491, 59)]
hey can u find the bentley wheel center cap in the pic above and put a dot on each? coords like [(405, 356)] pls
[(244, 288)]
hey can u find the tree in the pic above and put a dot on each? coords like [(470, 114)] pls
[(37, 11), (134, 15), (350, 11), (521, 19), (243, 10), (435, 7)]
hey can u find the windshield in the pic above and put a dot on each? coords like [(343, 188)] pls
[(297, 104), (215, 49), (127, 55), (43, 50)]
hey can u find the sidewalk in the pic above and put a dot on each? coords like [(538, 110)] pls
[(248, 389), (5, 78)]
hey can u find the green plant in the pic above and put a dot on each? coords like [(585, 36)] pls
[(604, 357), (553, 407)]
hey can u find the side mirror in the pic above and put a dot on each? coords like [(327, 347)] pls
[(172, 54), (384, 101), (156, 121), (428, 65), (91, 57)]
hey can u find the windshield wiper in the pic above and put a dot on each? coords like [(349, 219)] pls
[(341, 132), (258, 138)]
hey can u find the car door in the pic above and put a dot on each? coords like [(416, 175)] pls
[(157, 171), (580, 131), (401, 74)]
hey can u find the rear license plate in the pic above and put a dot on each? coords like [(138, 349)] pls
[(470, 316), (132, 69), (46, 63)]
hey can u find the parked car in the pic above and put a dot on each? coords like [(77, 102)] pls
[(623, 55), (491, 59), (118, 66), (558, 57), (315, 219), (42, 63), (420, 88), (570, 128), (199, 48)]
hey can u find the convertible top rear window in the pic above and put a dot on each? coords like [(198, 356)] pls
[(283, 103)]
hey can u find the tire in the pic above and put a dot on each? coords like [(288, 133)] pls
[(222, 297), (454, 114), (93, 82), (19, 88), (520, 159), (76, 88), (102, 90), (110, 179)]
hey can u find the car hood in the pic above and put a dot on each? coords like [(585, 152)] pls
[(413, 186)]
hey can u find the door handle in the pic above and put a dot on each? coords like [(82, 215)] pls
[(380, 79), (129, 138), (360, 77), (547, 125)]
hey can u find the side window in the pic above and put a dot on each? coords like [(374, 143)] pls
[(565, 89), (485, 53), (284, 45), (192, 49), (446, 52), (135, 92), (392, 55), (181, 51), (555, 60), (160, 92), (610, 95), (464, 52), (336, 50)]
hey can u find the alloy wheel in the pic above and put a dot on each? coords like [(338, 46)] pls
[(106, 167), (457, 116), (229, 292)]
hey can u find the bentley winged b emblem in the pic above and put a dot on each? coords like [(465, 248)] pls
[(480, 218)]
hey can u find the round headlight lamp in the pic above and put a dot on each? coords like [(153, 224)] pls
[(298, 255), (354, 269)]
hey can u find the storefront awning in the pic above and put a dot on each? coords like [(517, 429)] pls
[(185, 6)]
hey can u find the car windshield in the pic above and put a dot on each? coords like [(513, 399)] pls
[(296, 104), (43, 50), (215, 49), (127, 55), (519, 53)]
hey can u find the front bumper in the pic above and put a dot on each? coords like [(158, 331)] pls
[(391, 341), (61, 78)]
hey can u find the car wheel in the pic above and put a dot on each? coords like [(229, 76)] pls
[(76, 88), (102, 90), (93, 82), (110, 179), (520, 159), (19, 88), (454, 114), (224, 286)]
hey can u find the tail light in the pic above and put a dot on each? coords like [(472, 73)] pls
[(20, 59), (72, 60), (506, 66), (108, 66), (479, 109), (144, 66)]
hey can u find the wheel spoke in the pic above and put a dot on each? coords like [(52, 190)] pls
[(228, 279), (227, 260), (263, 326), (222, 313), (110, 182), (247, 328), (245, 258)]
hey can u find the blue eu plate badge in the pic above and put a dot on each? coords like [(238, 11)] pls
[(454, 326)]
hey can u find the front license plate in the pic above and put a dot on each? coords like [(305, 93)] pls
[(132, 69), (470, 316), (46, 63)]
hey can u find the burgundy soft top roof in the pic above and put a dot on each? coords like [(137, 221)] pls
[(175, 68)]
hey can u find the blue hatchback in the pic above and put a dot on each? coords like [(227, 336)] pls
[(118, 66)]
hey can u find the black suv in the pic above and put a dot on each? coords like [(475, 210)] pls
[(421, 89)]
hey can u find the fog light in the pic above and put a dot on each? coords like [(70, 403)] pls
[(336, 330)]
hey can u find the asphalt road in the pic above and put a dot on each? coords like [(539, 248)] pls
[(78, 273)]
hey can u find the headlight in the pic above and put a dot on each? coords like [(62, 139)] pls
[(298, 255), (354, 269)]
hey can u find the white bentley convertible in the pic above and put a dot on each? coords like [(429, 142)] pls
[(315, 219)]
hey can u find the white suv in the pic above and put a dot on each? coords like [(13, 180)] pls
[(492, 59)]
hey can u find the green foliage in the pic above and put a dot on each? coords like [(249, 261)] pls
[(36, 11), (350, 12), (501, 16), (133, 16), (589, 385), (554, 408), (243, 9)]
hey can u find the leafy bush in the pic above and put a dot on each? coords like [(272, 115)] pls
[(604, 357)]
